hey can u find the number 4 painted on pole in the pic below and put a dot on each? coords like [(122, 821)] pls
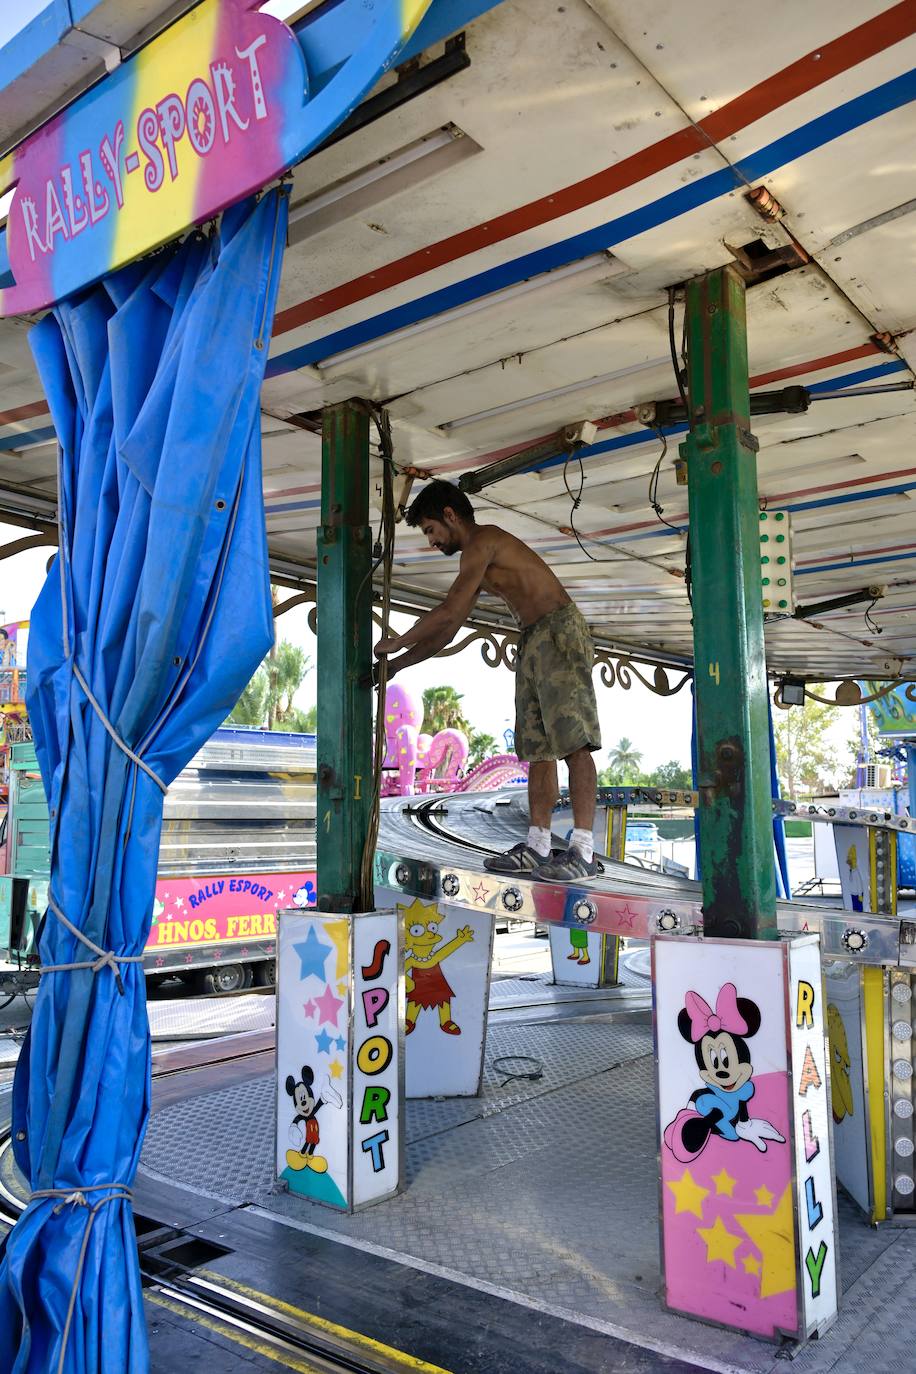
[(714, 672)]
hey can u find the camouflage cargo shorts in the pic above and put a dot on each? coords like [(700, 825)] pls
[(555, 708)]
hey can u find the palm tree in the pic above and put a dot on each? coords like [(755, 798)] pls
[(442, 710), (624, 759)]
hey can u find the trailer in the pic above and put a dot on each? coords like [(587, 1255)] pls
[(237, 844)]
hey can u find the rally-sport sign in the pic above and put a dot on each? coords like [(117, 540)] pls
[(215, 108)]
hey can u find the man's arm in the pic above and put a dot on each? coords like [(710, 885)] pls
[(439, 626)]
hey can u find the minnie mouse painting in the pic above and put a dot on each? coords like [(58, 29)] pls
[(719, 1040)]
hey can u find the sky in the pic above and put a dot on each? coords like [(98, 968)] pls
[(658, 727)]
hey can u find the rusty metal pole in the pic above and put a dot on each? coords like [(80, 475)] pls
[(733, 780)]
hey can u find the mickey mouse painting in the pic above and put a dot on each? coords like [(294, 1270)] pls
[(719, 1040), (303, 1131)]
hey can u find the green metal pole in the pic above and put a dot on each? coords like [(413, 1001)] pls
[(735, 815), (344, 790)]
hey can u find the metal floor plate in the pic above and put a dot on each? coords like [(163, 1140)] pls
[(546, 1190)]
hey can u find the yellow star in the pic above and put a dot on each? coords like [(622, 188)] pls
[(764, 1197), (339, 932), (335, 1068), (751, 1265), (724, 1182), (721, 1244), (773, 1234), (688, 1195), (342, 988)]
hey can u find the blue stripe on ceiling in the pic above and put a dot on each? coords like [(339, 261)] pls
[(854, 563), (866, 374), (24, 439), (292, 506), (849, 497), (815, 134)]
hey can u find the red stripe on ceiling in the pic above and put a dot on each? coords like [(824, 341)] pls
[(805, 74), (26, 412), (833, 360), (846, 485)]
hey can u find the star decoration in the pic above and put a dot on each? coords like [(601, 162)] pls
[(340, 1043), (179, 903), (342, 989), (626, 917), (328, 1007), (309, 1007), (323, 1041), (773, 1234), (764, 1197), (724, 1182), (339, 932), (481, 892), (313, 955), (751, 1265), (688, 1195), (335, 1068), (280, 896), (160, 961), (720, 1243), (189, 958)]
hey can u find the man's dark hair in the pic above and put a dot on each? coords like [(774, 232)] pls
[(433, 500)]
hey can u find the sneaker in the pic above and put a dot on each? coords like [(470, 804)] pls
[(521, 858), (567, 868)]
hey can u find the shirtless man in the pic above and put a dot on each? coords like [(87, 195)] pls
[(556, 712)]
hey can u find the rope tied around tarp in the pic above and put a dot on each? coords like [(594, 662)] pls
[(105, 958), (122, 745), (76, 1197)]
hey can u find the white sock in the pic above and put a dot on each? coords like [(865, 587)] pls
[(583, 841), (539, 840)]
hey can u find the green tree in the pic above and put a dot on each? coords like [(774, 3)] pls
[(442, 710), (481, 746), (672, 775), (268, 697), (806, 760), (624, 759), (251, 707)]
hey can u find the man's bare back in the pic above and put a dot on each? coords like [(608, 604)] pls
[(515, 573)]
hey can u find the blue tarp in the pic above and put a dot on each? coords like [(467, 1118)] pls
[(160, 600)]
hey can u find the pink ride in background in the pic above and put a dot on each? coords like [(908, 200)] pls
[(420, 763)]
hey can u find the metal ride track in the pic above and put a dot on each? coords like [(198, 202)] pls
[(434, 847), (284, 1335)]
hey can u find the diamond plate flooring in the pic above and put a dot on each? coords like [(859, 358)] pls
[(546, 1190)]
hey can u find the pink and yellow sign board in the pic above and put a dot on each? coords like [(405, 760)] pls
[(746, 1188), (234, 908), (215, 108)]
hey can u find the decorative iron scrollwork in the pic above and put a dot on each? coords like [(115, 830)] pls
[(849, 693)]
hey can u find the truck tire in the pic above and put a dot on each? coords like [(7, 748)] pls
[(224, 979), (265, 973)]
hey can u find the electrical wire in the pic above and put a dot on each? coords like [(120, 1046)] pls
[(598, 543), (385, 561), (653, 481), (653, 485), (673, 347)]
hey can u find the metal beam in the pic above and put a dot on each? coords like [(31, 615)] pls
[(736, 831), (344, 657)]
